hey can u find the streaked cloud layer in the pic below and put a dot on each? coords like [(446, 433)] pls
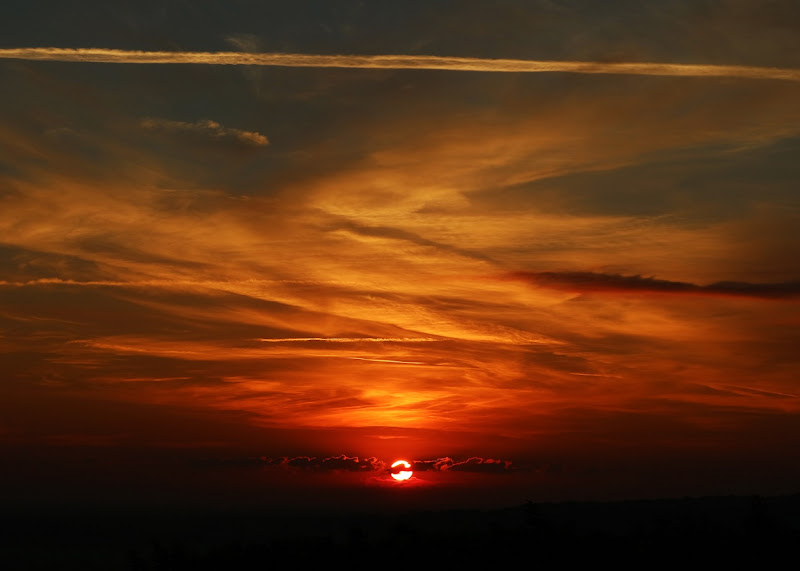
[(589, 275)]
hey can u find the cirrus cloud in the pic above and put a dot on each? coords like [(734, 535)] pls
[(208, 129)]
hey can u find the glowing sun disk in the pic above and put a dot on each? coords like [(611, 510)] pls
[(402, 474)]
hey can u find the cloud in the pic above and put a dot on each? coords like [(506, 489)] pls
[(439, 464), (332, 464), (245, 42), (342, 463), (483, 465), (100, 55), (390, 233), (208, 129), (473, 464), (598, 282)]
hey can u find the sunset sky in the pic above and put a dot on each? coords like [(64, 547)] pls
[(236, 280)]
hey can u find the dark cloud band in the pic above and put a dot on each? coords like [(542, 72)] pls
[(597, 282), (372, 464)]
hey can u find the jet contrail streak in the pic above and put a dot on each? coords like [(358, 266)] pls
[(99, 55), (352, 339)]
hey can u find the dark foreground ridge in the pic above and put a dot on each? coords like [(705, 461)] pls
[(653, 533)]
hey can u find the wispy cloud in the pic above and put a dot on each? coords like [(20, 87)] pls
[(99, 55), (208, 129)]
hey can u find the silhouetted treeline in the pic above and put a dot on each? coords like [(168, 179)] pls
[(724, 530)]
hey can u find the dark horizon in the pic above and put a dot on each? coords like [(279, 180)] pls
[(724, 530)]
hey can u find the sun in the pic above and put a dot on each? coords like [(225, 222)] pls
[(402, 474)]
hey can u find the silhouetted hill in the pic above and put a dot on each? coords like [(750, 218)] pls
[(652, 533)]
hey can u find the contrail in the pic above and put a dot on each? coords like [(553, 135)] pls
[(386, 361), (351, 339), (99, 55)]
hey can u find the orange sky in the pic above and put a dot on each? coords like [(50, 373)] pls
[(581, 271)]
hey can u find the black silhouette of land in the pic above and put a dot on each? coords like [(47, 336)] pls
[(723, 530)]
